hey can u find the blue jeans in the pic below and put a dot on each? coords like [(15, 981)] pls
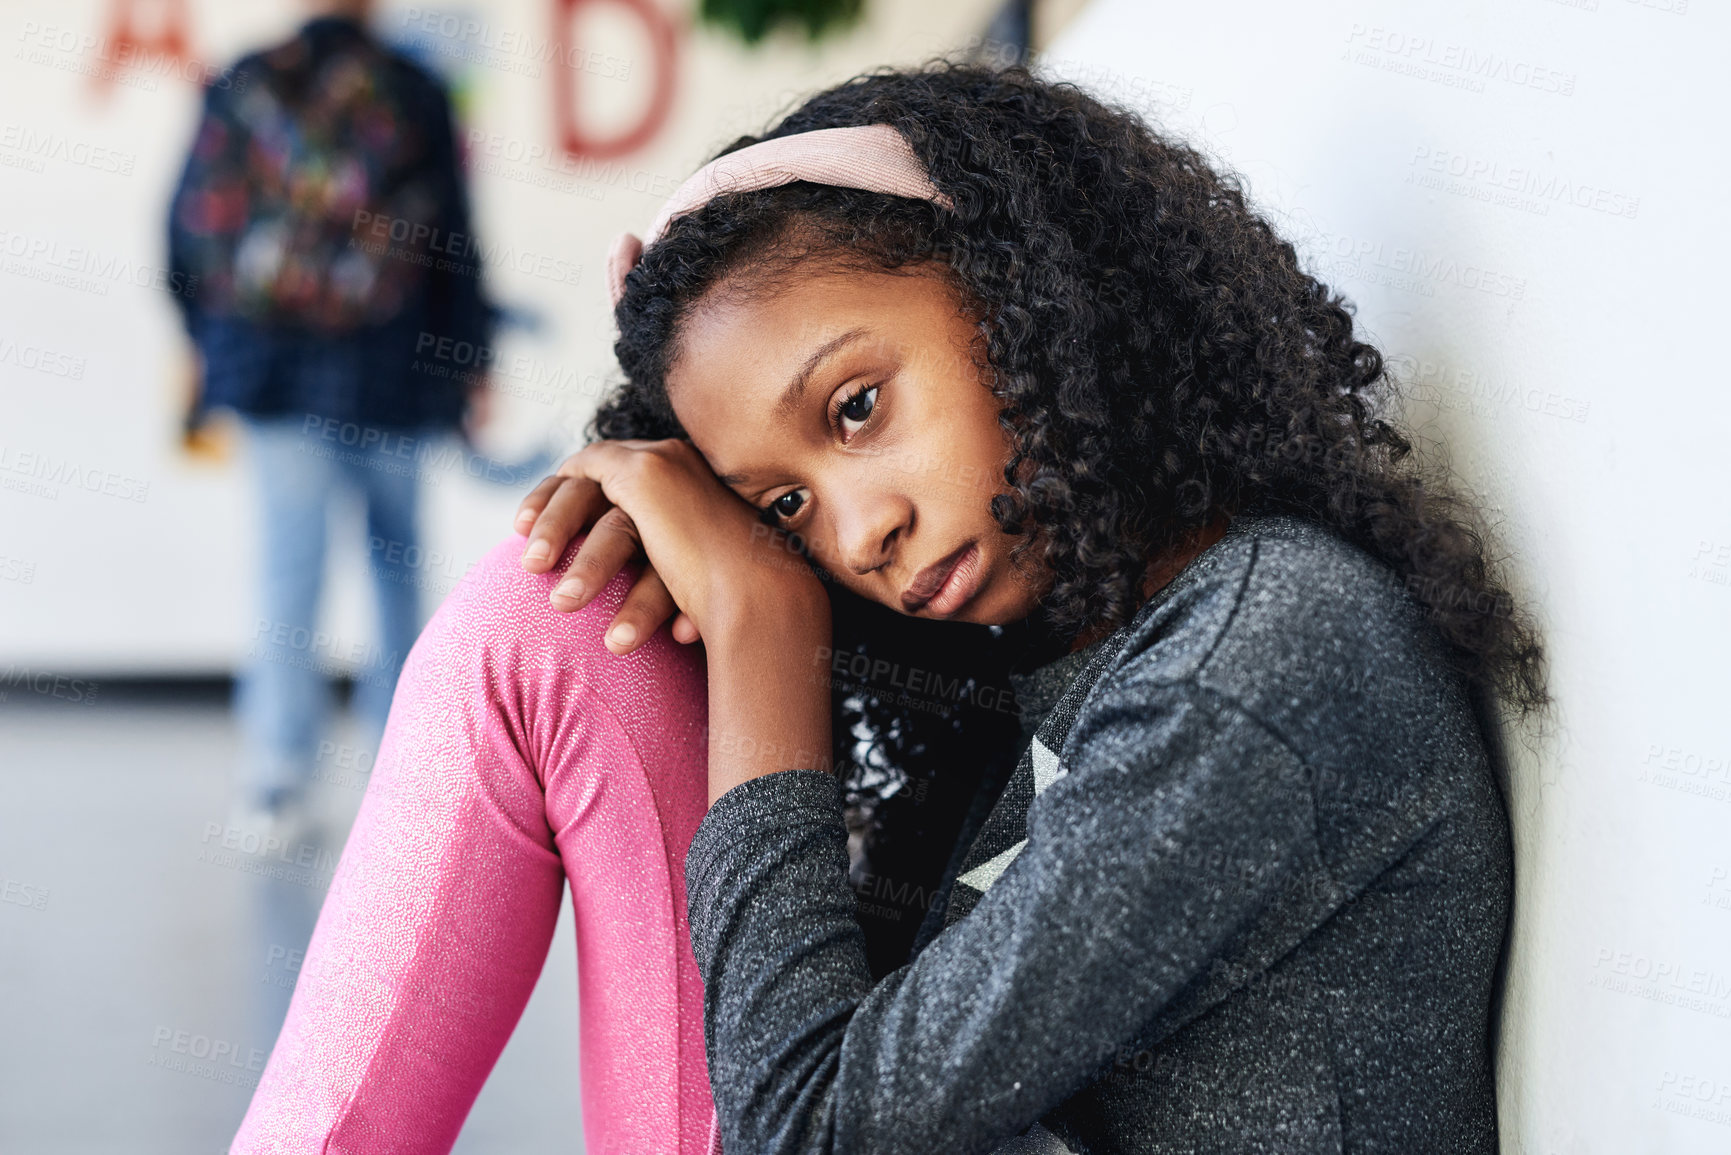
[(283, 695)]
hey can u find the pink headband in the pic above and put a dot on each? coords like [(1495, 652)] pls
[(874, 157)]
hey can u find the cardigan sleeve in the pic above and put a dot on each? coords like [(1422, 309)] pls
[(1123, 894)]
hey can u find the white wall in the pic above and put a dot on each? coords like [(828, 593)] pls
[(1526, 199), (155, 574)]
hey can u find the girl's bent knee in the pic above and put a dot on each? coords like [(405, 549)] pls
[(552, 655)]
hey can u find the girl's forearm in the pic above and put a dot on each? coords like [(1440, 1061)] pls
[(768, 698)]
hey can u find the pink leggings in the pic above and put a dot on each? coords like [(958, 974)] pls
[(519, 754)]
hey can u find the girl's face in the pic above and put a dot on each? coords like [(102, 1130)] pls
[(850, 407)]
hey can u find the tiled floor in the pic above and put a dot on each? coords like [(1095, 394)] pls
[(120, 928)]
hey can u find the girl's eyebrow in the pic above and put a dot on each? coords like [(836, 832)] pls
[(786, 406), (790, 396)]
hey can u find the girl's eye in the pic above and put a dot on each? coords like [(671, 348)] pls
[(856, 409), (788, 504)]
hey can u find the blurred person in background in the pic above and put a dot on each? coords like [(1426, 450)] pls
[(323, 214)]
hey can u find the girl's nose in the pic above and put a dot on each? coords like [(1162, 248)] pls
[(867, 528)]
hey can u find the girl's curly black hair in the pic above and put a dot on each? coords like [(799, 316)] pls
[(1161, 356)]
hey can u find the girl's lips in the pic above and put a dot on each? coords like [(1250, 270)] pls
[(930, 580), (959, 584)]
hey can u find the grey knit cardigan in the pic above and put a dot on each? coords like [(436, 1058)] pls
[(1247, 891)]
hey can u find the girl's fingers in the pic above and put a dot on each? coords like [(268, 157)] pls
[(531, 506), (644, 609), (684, 630), (571, 504), (611, 543)]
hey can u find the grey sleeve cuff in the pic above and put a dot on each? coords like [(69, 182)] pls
[(789, 822)]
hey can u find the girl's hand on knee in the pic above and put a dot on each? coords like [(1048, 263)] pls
[(710, 554), (557, 512), (765, 622)]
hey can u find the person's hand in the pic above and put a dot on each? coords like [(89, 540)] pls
[(558, 511), (763, 614), (477, 407), (589, 493)]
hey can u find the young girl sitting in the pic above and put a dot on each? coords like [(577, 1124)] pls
[(973, 347)]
